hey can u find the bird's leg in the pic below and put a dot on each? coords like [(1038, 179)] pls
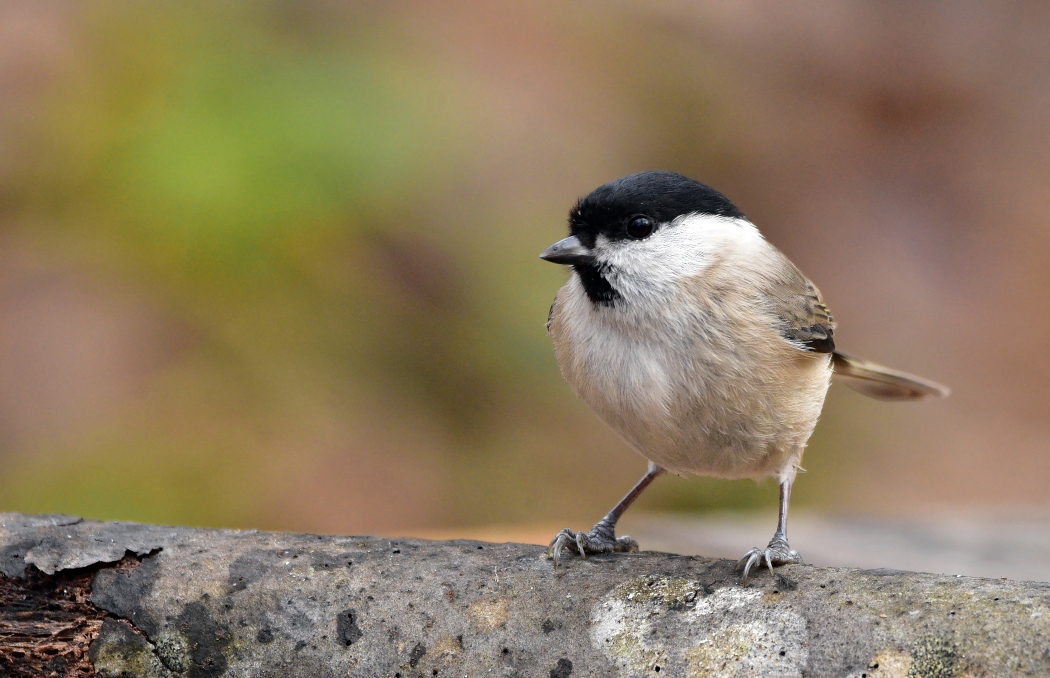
[(778, 551), (602, 537)]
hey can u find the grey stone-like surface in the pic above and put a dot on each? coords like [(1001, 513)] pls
[(226, 603), (57, 542)]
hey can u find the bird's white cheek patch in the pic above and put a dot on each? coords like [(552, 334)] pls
[(682, 249), (673, 252), (667, 622)]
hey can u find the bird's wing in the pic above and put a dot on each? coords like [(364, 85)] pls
[(805, 321)]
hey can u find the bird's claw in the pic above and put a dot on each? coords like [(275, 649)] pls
[(778, 552), (601, 539)]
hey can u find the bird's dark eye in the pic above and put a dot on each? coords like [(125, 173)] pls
[(640, 227)]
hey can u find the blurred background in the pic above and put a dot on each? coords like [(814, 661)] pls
[(274, 265)]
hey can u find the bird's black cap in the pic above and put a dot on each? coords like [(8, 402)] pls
[(663, 196)]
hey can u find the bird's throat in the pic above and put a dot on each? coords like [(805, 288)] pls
[(598, 289)]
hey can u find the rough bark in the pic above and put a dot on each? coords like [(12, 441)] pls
[(82, 598)]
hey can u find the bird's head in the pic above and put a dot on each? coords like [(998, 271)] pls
[(644, 232)]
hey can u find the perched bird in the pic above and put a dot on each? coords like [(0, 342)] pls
[(698, 342)]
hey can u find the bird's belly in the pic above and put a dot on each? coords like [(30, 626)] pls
[(705, 417)]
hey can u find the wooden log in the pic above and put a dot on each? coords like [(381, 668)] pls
[(83, 598)]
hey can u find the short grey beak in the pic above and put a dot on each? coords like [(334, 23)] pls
[(568, 251)]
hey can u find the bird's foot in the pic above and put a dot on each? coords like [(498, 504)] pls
[(778, 552), (601, 539)]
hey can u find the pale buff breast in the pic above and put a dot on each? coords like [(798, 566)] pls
[(701, 384)]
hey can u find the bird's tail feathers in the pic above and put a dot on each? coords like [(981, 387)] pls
[(880, 382)]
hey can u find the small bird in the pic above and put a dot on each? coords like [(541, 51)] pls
[(698, 342)]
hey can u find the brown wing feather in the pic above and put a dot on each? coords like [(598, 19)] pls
[(807, 322)]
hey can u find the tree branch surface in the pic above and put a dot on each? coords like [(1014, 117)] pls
[(85, 598)]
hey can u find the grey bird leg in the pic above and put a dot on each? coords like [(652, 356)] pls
[(778, 551), (602, 537)]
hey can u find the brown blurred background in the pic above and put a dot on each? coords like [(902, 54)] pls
[(274, 265)]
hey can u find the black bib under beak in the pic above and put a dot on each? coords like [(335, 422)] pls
[(569, 251)]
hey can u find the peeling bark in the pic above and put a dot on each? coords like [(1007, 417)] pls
[(139, 600)]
